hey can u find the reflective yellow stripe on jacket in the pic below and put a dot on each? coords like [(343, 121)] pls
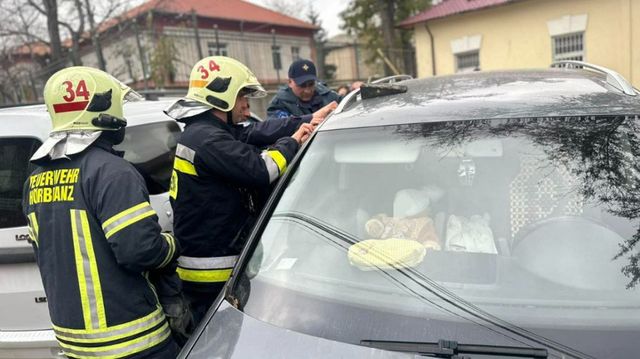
[(184, 163), (87, 272), (126, 218), (206, 270), (275, 162), (117, 341), (171, 241), (33, 228)]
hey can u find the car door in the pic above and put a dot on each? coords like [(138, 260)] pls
[(23, 304)]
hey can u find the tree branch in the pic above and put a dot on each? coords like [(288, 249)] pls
[(35, 6)]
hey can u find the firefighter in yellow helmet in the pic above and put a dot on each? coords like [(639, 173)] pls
[(96, 238), (222, 172)]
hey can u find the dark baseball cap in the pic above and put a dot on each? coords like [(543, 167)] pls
[(302, 71)]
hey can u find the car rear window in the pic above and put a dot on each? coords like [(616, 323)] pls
[(14, 169), (151, 148)]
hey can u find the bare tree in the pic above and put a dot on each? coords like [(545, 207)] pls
[(287, 7), (96, 18), (81, 14), (49, 8)]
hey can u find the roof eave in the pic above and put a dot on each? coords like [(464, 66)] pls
[(414, 20)]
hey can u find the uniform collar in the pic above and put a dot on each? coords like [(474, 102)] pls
[(208, 118), (108, 146), (65, 144)]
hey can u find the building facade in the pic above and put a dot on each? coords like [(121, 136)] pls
[(461, 35), (154, 46), (348, 57), (159, 41)]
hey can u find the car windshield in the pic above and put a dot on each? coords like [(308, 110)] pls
[(504, 232)]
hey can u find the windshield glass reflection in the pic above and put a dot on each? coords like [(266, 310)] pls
[(471, 231)]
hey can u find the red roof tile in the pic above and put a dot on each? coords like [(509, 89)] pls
[(451, 7), (222, 9), (37, 48)]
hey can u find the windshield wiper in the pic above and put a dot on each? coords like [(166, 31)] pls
[(441, 292), (451, 349)]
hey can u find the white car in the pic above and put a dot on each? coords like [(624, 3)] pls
[(151, 138)]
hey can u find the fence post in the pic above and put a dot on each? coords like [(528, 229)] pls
[(276, 53), (33, 88), (194, 22), (356, 55), (215, 28), (142, 56)]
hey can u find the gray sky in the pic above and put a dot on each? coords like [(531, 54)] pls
[(328, 10)]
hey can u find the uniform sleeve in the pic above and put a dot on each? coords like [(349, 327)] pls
[(264, 133), (129, 222), (277, 110), (245, 164), (334, 97)]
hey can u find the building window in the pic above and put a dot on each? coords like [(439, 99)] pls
[(295, 53), (568, 47), (468, 61), (275, 54), (217, 49), (127, 62)]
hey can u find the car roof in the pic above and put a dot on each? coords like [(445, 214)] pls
[(33, 120), (490, 95)]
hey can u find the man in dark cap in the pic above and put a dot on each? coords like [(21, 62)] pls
[(304, 96)]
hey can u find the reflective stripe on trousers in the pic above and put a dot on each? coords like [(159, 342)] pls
[(206, 270)]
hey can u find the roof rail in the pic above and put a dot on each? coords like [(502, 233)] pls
[(355, 94), (392, 79), (613, 78)]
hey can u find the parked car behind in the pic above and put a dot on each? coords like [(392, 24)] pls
[(151, 137), (485, 213)]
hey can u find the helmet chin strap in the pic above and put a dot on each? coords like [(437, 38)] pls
[(229, 118), (114, 137)]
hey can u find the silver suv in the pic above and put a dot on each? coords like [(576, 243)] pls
[(151, 137), (482, 215)]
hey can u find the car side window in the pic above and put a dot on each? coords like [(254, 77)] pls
[(14, 169), (151, 149)]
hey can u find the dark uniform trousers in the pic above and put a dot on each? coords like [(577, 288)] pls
[(96, 238), (221, 176)]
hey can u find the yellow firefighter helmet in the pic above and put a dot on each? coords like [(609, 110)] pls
[(84, 98), (216, 81)]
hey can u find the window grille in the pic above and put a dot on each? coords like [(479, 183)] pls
[(217, 49), (568, 47), (468, 61), (295, 53)]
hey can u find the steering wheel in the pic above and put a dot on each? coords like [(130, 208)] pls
[(572, 251)]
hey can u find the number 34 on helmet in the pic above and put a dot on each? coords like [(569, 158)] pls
[(216, 82), (84, 98)]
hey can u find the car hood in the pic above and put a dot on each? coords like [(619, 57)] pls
[(232, 334)]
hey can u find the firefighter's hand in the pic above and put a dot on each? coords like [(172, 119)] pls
[(322, 113), (302, 134)]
